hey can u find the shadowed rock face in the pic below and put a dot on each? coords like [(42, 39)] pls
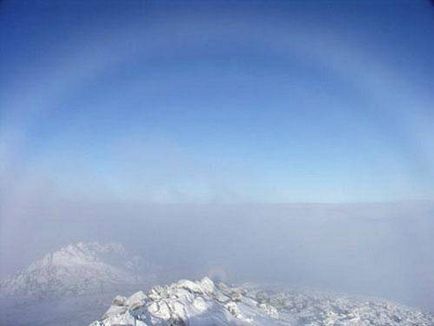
[(206, 303)]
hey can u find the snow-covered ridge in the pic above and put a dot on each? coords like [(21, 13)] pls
[(81, 268), (206, 303)]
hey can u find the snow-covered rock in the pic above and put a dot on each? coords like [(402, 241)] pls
[(74, 285), (205, 303), (82, 268)]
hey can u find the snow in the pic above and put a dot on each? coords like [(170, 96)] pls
[(78, 269), (205, 303), (73, 285), (76, 284)]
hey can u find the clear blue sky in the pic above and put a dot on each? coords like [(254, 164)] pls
[(218, 101)]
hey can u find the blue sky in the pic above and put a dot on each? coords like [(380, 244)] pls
[(217, 101)]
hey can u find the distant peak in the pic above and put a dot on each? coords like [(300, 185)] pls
[(77, 268)]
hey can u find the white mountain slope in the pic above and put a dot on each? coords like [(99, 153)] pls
[(83, 268), (206, 303), (72, 286)]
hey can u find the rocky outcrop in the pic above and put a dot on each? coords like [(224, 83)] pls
[(205, 303), (181, 303)]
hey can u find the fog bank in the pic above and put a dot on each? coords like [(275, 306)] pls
[(382, 249)]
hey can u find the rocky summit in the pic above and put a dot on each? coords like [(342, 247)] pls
[(204, 302)]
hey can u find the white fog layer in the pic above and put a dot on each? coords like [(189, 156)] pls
[(376, 251)]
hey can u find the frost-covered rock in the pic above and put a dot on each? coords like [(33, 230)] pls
[(137, 300), (82, 268), (74, 285), (205, 303)]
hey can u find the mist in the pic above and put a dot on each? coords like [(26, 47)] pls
[(369, 249), (286, 144)]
